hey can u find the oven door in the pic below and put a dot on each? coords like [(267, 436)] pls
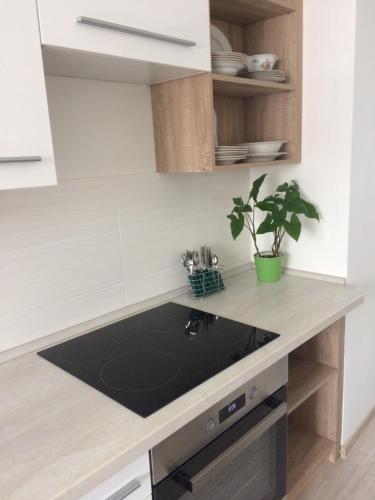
[(247, 462)]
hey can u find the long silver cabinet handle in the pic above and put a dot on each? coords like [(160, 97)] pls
[(125, 491), (18, 159), (134, 31)]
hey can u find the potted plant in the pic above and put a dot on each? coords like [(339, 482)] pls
[(283, 210)]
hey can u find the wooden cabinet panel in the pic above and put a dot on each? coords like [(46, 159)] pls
[(183, 124)]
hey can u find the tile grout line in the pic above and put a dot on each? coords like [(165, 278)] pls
[(122, 249)]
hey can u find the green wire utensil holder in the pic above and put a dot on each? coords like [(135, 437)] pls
[(205, 282)]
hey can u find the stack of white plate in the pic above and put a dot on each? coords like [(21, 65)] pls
[(226, 155), (273, 75), (264, 151), (228, 63)]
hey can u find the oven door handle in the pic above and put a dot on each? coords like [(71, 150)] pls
[(198, 481)]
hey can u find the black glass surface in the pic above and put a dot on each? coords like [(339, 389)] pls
[(146, 361)]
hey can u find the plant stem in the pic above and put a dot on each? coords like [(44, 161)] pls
[(251, 228)]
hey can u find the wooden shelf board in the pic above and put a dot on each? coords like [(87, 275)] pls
[(242, 166), (246, 12), (307, 454), (236, 86), (305, 378)]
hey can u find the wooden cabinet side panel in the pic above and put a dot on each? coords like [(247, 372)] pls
[(183, 124), (322, 413)]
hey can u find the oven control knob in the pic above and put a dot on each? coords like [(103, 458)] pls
[(209, 425), (253, 392)]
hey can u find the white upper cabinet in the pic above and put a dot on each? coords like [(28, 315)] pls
[(26, 153), (172, 33)]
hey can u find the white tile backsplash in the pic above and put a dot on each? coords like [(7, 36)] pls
[(100, 128), (149, 198), (111, 233), (72, 209), (37, 276), (26, 325)]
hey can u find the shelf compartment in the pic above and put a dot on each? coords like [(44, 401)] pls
[(242, 166), (308, 453), (305, 378), (244, 12), (235, 86)]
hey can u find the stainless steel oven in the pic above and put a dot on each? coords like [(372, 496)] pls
[(236, 450)]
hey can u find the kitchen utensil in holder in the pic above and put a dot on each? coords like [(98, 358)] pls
[(205, 282)]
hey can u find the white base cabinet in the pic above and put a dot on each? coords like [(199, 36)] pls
[(170, 33), (131, 483), (26, 152)]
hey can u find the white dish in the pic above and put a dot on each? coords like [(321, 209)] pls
[(265, 79), (228, 67), (261, 62), (268, 147), (219, 42), (224, 157), (221, 54), (265, 157), (240, 147), (236, 153), (270, 76), (229, 161)]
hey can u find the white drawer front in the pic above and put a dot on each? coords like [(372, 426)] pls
[(131, 483), (179, 19)]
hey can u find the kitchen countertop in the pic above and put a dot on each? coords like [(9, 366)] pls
[(59, 437)]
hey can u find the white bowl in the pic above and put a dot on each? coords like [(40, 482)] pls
[(261, 62), (270, 147), (227, 67)]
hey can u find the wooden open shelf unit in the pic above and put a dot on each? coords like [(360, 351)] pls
[(308, 453), (246, 110), (315, 406), (306, 377), (250, 11), (236, 86)]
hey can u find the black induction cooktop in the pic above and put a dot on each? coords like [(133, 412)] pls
[(146, 361)]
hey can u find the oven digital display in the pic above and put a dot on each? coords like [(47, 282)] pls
[(232, 408)]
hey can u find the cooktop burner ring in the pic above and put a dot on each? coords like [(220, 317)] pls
[(164, 368)]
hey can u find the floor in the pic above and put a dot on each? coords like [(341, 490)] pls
[(351, 479)]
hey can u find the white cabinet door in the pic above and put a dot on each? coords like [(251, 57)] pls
[(170, 32), (131, 483), (26, 153)]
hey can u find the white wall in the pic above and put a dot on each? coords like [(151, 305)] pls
[(324, 174), (359, 398), (110, 234)]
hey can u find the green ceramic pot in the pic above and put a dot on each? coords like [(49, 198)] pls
[(268, 267)]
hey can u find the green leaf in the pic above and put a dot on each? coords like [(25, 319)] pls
[(247, 208), (294, 205), (310, 211), (293, 228), (267, 226), (238, 201), (265, 206), (236, 224), (256, 187), (282, 188)]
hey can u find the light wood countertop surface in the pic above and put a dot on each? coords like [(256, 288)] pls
[(59, 437)]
